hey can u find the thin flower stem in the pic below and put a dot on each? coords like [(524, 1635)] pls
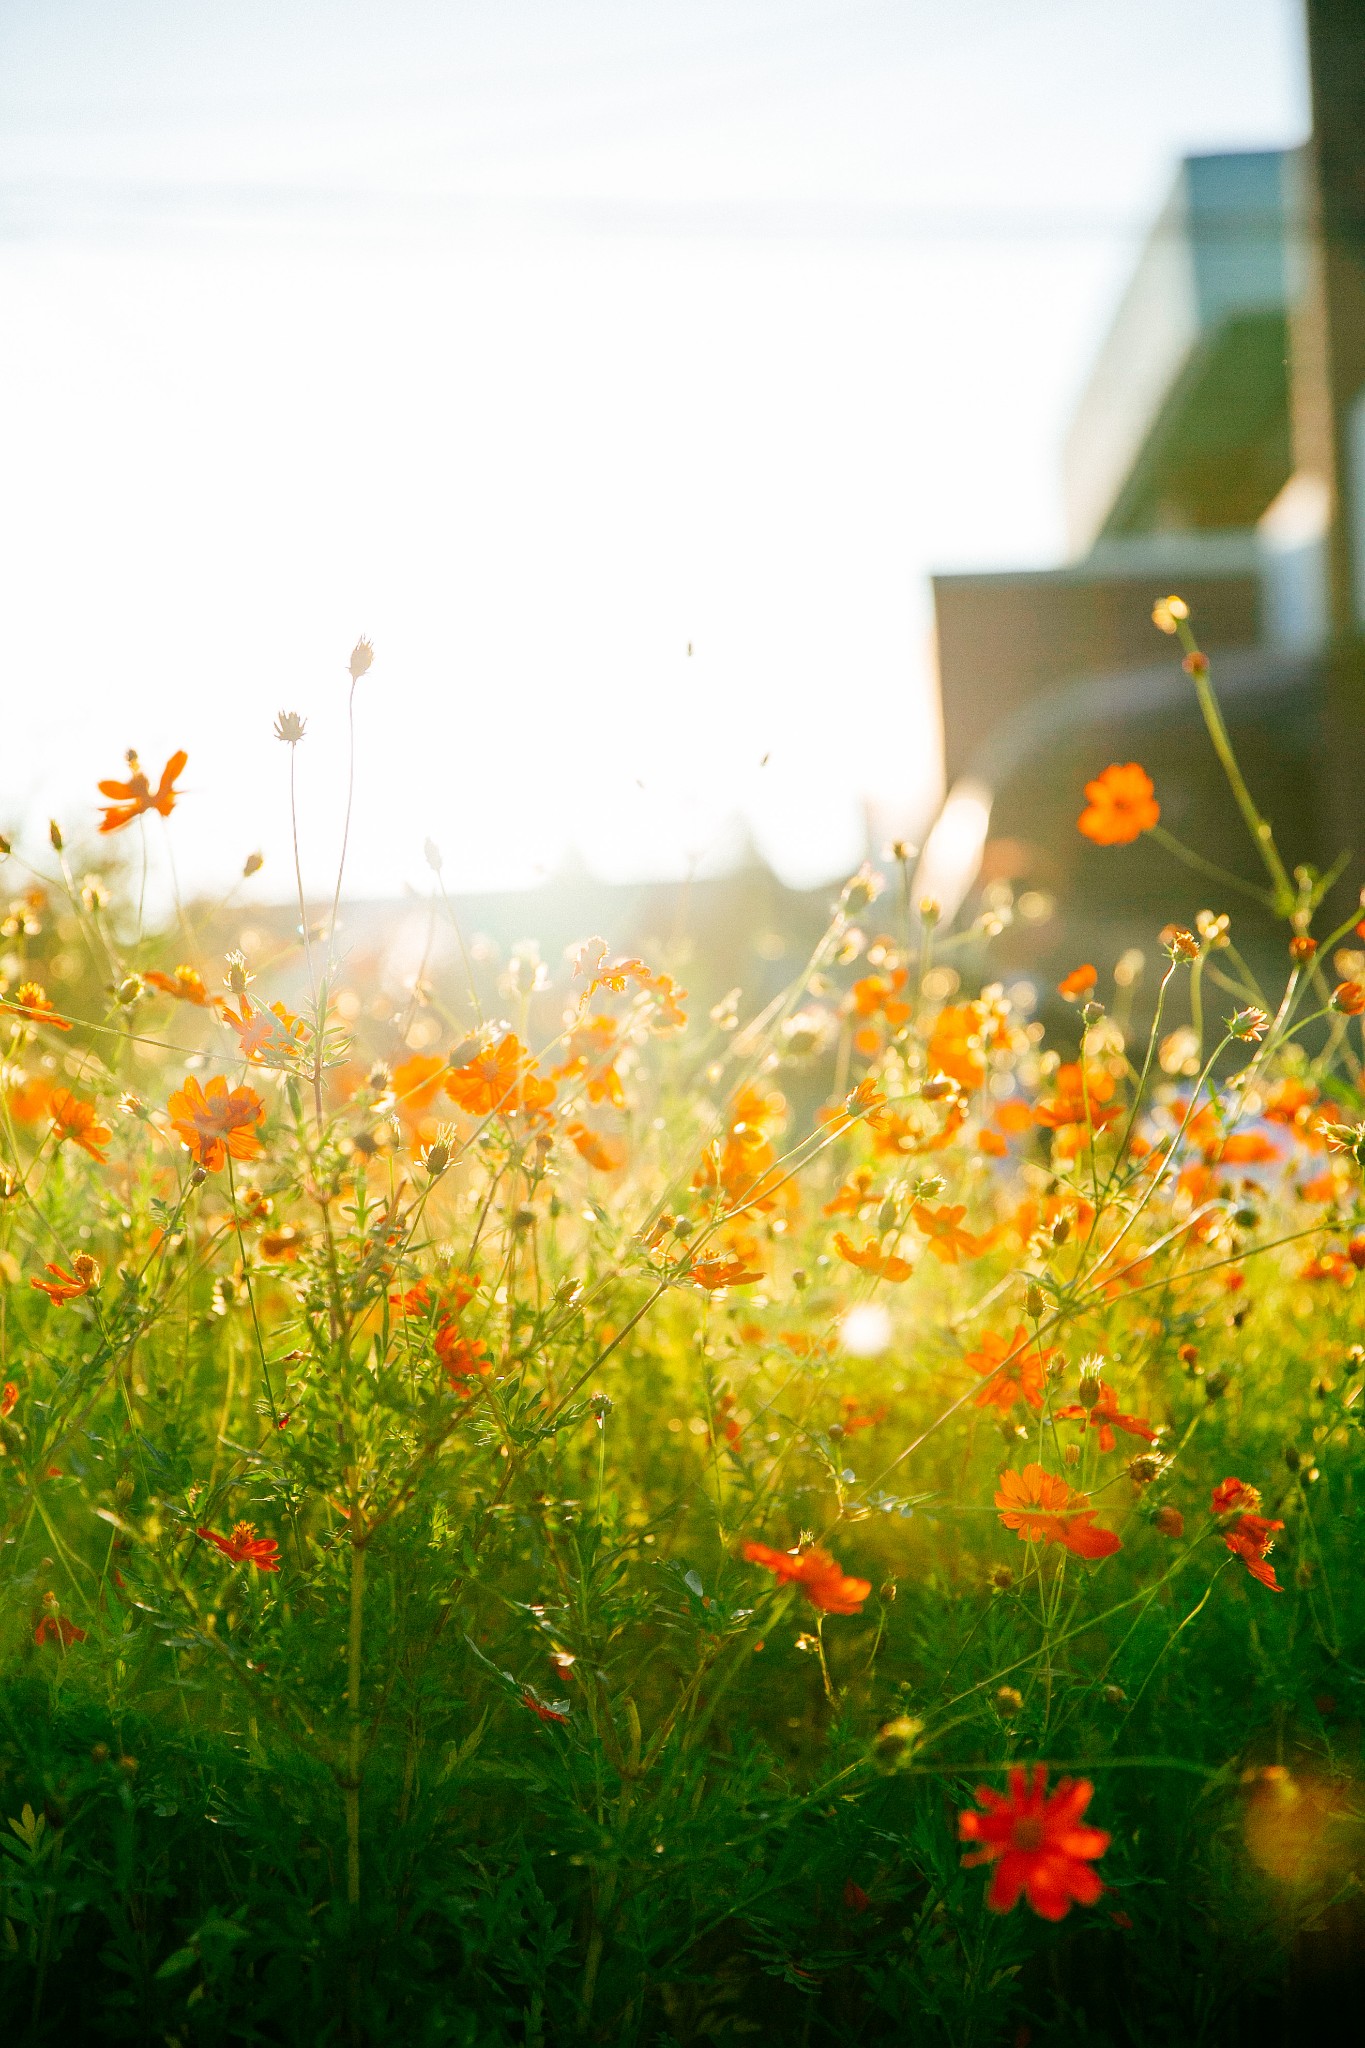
[(346, 828), (1209, 868), (1257, 826)]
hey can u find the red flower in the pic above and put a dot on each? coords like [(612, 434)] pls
[(136, 795), (1079, 982), (216, 1121), (244, 1546), (1106, 1418), (9, 1395), (542, 1710), (1251, 1538), (821, 1578), (1230, 1496), (855, 1898), (55, 1628), (1037, 1843)]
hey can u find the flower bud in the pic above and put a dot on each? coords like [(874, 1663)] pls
[(1196, 662), (1009, 1702), (1180, 943), (1302, 949), (86, 1269), (128, 991), (1000, 1577), (1169, 1522), (252, 865), (1249, 1023), (1348, 997), (1034, 1302), (1072, 1454), (1168, 613), (54, 833), (1090, 1386)]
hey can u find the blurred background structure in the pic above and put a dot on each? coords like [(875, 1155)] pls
[(1218, 451)]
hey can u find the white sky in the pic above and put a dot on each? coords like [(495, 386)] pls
[(538, 338)]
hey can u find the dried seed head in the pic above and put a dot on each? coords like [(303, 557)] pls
[(362, 654), (252, 865), (290, 728), (86, 1269)]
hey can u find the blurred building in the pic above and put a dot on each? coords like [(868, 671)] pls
[(1218, 450)]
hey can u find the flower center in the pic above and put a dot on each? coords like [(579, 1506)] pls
[(1028, 1833)]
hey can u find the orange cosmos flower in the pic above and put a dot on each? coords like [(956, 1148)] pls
[(854, 1195), (1251, 1538), (870, 1258), (75, 1118), (1105, 1417), (30, 1000), (957, 1044), (823, 1581), (268, 1038), (186, 985), (27, 1098), (64, 1286), (1030, 1365), (1121, 806), (216, 1121), (608, 1155), (416, 1084), (244, 1546), (492, 1080), (1083, 1095), (727, 1269), (1037, 1844), (136, 795), (1041, 1508), (463, 1359), (592, 1050), (943, 1228), (1079, 982), (9, 1395), (454, 1294)]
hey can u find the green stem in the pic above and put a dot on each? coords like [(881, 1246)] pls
[(354, 1644), (1256, 825)]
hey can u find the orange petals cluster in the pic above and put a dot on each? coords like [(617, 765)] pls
[(64, 1286), (1106, 1418), (1120, 806), (244, 1546), (217, 1122), (1037, 1843), (1251, 1536), (30, 1001), (186, 985), (1041, 1508), (821, 1578), (136, 796), (499, 1082), (268, 1038), (1078, 983), (76, 1121), (870, 1258), (1030, 1365), (948, 1241)]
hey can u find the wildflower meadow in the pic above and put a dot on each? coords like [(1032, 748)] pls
[(536, 1511)]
